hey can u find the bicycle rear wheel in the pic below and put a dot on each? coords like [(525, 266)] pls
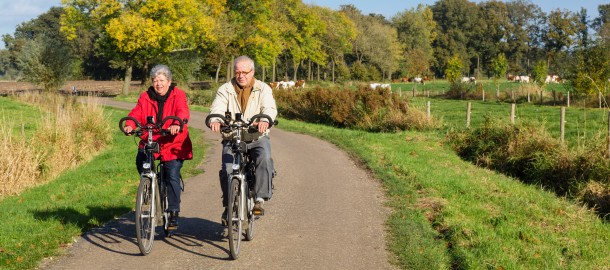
[(145, 223), (235, 224)]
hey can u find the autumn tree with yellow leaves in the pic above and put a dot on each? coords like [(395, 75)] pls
[(135, 32)]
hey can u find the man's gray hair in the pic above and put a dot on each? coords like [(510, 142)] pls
[(161, 70), (244, 58)]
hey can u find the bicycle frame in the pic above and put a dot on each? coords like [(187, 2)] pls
[(239, 166), (148, 219), (243, 176)]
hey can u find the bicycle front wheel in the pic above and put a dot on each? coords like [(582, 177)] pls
[(249, 221), (145, 223), (235, 224)]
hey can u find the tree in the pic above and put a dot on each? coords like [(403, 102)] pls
[(456, 20), (339, 34), (524, 33), (416, 32), (539, 74), (562, 26), (453, 72), (499, 67), (376, 41), (489, 38), (43, 61), (135, 32), (257, 30)]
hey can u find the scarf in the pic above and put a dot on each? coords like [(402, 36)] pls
[(152, 94), (242, 94)]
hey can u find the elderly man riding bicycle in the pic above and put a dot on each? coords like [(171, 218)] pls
[(246, 95)]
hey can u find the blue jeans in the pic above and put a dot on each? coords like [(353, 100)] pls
[(171, 177), (260, 153)]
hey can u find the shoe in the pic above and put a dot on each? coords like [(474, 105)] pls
[(258, 209), (223, 218), (173, 220)]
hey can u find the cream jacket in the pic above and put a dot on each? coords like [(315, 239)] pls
[(261, 101)]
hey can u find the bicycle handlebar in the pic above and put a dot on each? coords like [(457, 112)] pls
[(149, 125), (226, 121)]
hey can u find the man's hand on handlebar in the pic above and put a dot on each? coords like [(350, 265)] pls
[(215, 126), (262, 126)]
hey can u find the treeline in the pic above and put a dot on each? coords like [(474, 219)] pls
[(288, 39)]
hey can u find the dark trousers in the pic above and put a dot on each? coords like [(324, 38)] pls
[(260, 153), (171, 177)]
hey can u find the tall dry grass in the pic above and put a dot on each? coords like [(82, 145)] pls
[(69, 134)]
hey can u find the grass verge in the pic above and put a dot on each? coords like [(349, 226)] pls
[(450, 214), (43, 220)]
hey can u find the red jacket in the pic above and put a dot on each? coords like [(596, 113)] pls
[(172, 147)]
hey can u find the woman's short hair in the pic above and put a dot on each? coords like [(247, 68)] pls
[(244, 58), (161, 70)]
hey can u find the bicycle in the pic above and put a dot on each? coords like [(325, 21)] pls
[(241, 185), (151, 199)]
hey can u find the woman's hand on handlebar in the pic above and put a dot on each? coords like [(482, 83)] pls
[(174, 129), (128, 130), (215, 126)]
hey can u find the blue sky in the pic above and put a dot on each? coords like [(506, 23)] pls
[(14, 12)]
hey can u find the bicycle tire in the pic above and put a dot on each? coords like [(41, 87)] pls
[(234, 223), (145, 223), (249, 220)]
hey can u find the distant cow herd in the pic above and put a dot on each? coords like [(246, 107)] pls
[(526, 79), (300, 84)]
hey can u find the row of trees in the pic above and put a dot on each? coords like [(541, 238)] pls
[(288, 39)]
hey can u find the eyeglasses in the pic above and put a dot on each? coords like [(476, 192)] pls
[(238, 74)]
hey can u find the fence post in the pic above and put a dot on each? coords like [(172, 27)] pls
[(528, 96), (512, 113), (428, 111), (568, 103), (599, 99), (562, 128), (468, 115), (483, 94), (608, 133)]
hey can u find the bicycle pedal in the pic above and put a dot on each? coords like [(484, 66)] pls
[(258, 212)]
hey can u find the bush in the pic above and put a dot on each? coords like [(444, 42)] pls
[(364, 109), (527, 152), (201, 97)]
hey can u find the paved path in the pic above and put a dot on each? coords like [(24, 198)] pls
[(326, 213)]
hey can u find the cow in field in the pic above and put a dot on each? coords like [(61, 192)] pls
[(469, 80), (522, 79), (285, 85), (274, 85), (552, 79), (380, 85), (300, 84)]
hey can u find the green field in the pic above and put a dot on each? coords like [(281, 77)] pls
[(581, 124)]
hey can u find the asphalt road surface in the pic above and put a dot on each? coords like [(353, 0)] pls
[(326, 213)]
